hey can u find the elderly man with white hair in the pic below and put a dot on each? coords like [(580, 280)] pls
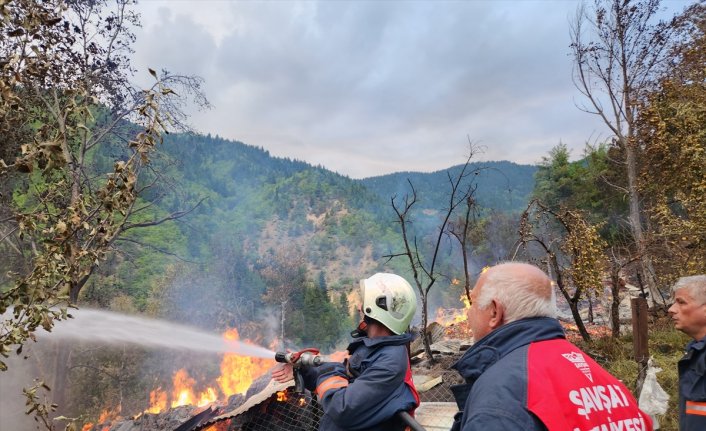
[(522, 374), (689, 315)]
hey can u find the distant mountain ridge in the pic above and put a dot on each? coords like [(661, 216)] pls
[(502, 185), (255, 205)]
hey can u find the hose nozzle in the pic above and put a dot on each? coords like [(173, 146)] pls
[(303, 358)]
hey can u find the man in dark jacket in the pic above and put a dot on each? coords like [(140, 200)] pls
[(522, 374), (689, 315), (376, 381)]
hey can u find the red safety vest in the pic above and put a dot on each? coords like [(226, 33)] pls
[(569, 391), (410, 384)]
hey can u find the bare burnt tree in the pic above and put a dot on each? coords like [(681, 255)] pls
[(423, 260), (284, 273), (460, 229), (572, 251)]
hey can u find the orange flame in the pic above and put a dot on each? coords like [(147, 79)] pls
[(108, 415), (87, 426), (158, 401), (237, 374), (182, 393), (452, 316), (455, 316), (207, 397), (281, 396), (220, 426)]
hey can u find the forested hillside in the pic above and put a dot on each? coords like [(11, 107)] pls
[(257, 206), (253, 229)]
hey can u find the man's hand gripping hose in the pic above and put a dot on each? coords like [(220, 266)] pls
[(304, 358)]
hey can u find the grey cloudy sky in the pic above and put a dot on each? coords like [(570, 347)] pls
[(367, 88)]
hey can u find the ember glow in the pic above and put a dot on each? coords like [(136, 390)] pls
[(284, 396), (237, 374), (105, 415), (220, 426)]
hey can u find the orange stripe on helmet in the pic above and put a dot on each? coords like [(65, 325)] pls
[(334, 382)]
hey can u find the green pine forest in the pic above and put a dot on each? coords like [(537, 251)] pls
[(259, 215)]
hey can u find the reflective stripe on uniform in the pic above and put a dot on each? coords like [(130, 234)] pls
[(695, 408), (334, 382)]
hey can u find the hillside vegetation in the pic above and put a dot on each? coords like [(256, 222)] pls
[(257, 205)]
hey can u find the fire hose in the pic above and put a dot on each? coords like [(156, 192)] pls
[(311, 357), (304, 358)]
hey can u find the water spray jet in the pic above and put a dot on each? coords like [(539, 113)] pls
[(107, 327)]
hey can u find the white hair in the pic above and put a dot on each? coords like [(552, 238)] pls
[(520, 295), (696, 285)]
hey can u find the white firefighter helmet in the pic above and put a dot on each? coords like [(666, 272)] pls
[(390, 300)]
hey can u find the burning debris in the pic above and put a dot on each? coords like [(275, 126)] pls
[(455, 320), (169, 408), (275, 407), (244, 397), (263, 404)]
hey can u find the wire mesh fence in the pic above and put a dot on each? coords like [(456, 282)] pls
[(284, 411), (290, 411)]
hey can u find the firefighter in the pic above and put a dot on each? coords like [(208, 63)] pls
[(375, 382), (689, 315), (522, 374)]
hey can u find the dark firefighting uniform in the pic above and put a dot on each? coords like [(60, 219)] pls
[(368, 392), (692, 387)]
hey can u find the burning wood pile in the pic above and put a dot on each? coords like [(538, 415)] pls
[(276, 407), (266, 406), (240, 377)]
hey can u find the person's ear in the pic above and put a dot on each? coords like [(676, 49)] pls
[(497, 314)]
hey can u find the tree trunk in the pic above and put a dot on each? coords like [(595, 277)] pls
[(425, 334), (636, 226), (63, 357), (572, 301), (61, 378), (590, 307), (615, 303), (574, 306)]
